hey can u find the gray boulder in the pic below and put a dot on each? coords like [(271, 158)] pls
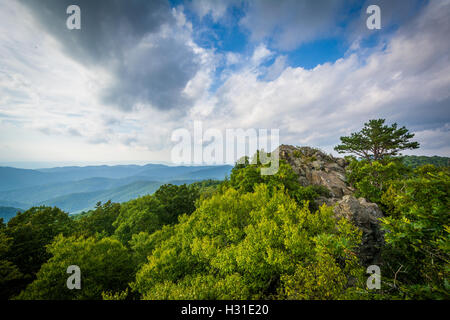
[(314, 167), (365, 216)]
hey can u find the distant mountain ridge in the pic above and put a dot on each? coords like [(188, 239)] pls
[(74, 189), (83, 201), (8, 212), (416, 161), (14, 178), (78, 188)]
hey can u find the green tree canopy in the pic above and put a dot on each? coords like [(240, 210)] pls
[(376, 141), (100, 220), (25, 237), (10, 276), (250, 245), (245, 177), (176, 200), (418, 234), (138, 215), (149, 213), (372, 179), (104, 264), (31, 231)]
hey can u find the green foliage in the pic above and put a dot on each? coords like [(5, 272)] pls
[(104, 265), (244, 178), (372, 178), (149, 213), (176, 200), (418, 234), (10, 276), (207, 188), (139, 215), (248, 237), (246, 245), (311, 193), (99, 221), (376, 141), (29, 232), (143, 243), (284, 178), (109, 295)]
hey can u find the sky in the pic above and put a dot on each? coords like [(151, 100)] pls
[(116, 90)]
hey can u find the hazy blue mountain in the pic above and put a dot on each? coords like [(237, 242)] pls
[(165, 173), (35, 194), (79, 173), (13, 178), (159, 171), (15, 204), (74, 189), (77, 202), (8, 212)]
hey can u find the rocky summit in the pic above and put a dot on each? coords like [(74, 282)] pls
[(314, 167)]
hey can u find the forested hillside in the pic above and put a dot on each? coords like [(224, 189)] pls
[(311, 230), (416, 161), (285, 236)]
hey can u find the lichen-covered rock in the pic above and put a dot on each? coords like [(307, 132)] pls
[(317, 168), (365, 216)]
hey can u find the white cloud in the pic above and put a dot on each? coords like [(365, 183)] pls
[(49, 106), (232, 58), (407, 82), (216, 8), (291, 23), (261, 54), (437, 141), (47, 96)]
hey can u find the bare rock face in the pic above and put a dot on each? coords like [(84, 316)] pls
[(317, 168), (365, 216), (314, 167)]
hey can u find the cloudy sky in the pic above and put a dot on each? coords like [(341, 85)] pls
[(114, 91)]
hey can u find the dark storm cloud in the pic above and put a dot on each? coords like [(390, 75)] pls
[(157, 74), (108, 26), (111, 35)]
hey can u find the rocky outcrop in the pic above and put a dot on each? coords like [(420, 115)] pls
[(317, 168), (314, 167), (365, 216)]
